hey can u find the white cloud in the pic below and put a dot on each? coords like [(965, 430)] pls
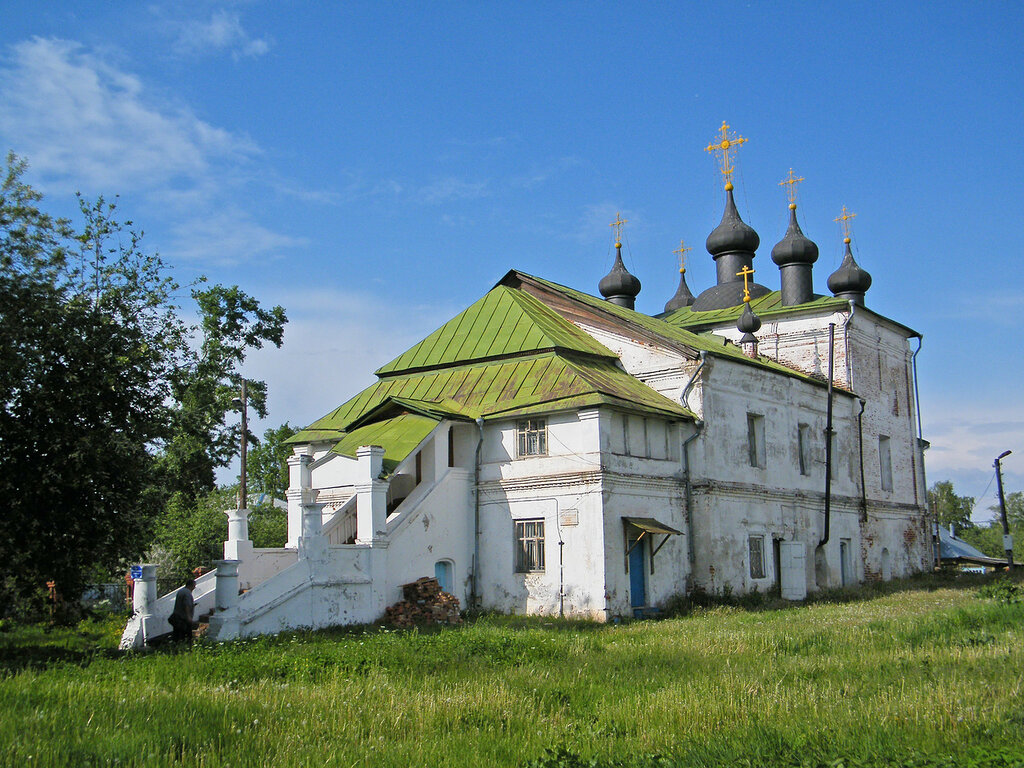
[(83, 123), (595, 220), (965, 441), (229, 236), (223, 31), (333, 343)]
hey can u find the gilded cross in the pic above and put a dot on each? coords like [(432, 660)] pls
[(724, 145), (681, 250), (790, 185), (746, 272), (617, 226), (844, 222)]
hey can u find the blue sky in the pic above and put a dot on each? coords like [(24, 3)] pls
[(376, 167)]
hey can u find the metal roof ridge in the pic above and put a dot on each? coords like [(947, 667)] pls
[(554, 351)]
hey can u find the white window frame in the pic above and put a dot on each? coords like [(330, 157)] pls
[(529, 545), (531, 437)]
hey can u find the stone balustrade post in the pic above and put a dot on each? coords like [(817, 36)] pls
[(226, 591), (238, 546), (299, 483), (238, 524), (144, 591), (372, 493)]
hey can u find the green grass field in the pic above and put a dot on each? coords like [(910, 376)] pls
[(923, 674)]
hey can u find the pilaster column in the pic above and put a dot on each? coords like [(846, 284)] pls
[(372, 495), (299, 481)]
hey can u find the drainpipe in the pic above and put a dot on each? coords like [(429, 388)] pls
[(860, 446), (476, 515), (692, 381), (846, 344), (828, 434), (687, 486), (920, 452), (698, 426)]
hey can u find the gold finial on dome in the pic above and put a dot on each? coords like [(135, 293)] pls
[(844, 222), (745, 273), (724, 145), (681, 250), (790, 183), (617, 226)]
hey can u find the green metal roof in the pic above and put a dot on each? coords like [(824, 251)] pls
[(766, 306), (546, 381), (698, 342), (508, 355), (504, 322), (398, 435)]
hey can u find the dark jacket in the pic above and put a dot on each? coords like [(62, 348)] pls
[(184, 609)]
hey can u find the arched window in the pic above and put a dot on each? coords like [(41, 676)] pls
[(886, 565)]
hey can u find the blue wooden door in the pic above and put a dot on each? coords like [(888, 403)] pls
[(637, 574), (443, 574)]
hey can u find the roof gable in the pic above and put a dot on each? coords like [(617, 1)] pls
[(505, 322), (666, 332)]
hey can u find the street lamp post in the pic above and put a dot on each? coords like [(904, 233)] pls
[(1007, 538)]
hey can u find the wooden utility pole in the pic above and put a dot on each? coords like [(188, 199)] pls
[(1007, 538), (244, 446)]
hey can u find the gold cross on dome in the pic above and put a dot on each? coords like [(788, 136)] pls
[(724, 145), (746, 272), (617, 226), (681, 250), (844, 222), (790, 184)]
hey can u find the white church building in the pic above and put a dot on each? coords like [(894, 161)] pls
[(550, 452)]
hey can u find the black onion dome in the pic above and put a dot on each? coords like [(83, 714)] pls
[(683, 297), (749, 323), (794, 247), (732, 234), (619, 282), (849, 278)]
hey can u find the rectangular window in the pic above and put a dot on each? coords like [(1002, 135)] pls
[(757, 557), (885, 462), (755, 439), (803, 448), (529, 546), (533, 437), (451, 446)]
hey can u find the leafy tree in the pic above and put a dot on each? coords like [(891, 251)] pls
[(1014, 508), (232, 323), (989, 539), (89, 342), (107, 412), (950, 508), (268, 462), (192, 531)]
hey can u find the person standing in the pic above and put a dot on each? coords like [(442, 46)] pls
[(182, 618)]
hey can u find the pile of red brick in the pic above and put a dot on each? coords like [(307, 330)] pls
[(424, 603)]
